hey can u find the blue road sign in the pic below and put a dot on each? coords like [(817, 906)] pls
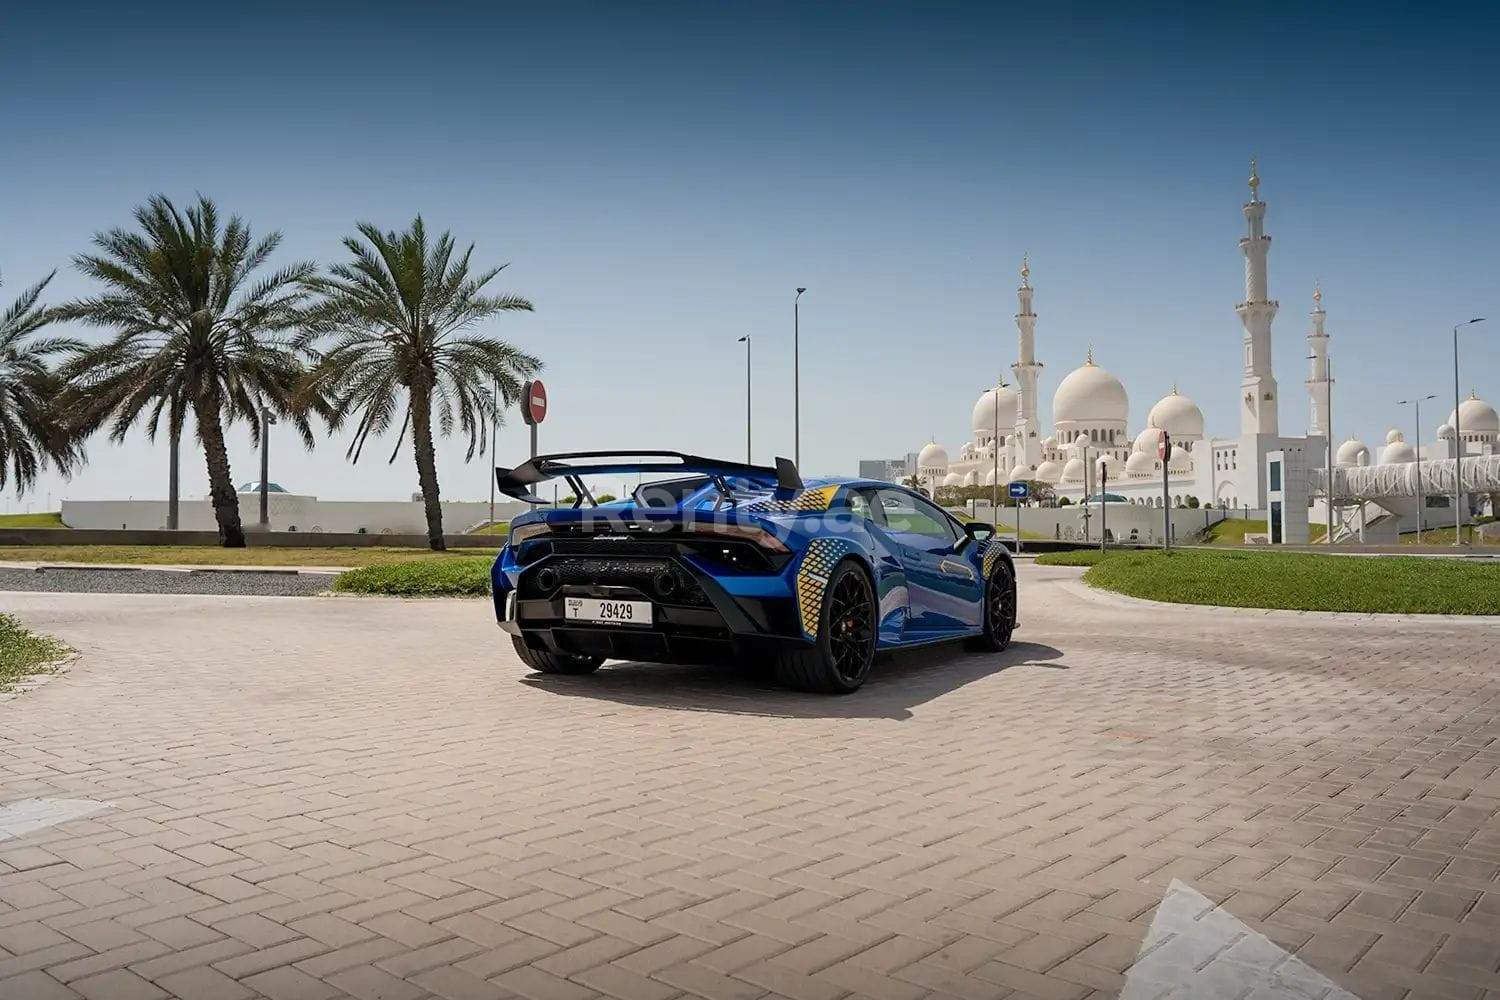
[(1019, 491)]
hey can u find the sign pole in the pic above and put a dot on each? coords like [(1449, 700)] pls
[(1164, 452), (533, 407), (1018, 491), (1103, 503)]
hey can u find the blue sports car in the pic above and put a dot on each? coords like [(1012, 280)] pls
[(723, 560)]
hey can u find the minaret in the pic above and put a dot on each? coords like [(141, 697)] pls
[(1028, 369), (1258, 387), (1318, 382)]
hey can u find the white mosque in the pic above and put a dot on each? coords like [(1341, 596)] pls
[(1091, 412)]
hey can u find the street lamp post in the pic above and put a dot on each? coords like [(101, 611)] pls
[(1458, 444), (797, 379), (266, 420), (995, 450), (1421, 497), (746, 341), (494, 435)]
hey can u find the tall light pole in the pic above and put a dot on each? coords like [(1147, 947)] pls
[(494, 434), (266, 420), (995, 447), (746, 341), (797, 380), (1458, 442), (1421, 498)]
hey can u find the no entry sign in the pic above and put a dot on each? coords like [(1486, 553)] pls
[(1164, 446), (534, 402)]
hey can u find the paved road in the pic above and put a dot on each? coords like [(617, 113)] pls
[(332, 796)]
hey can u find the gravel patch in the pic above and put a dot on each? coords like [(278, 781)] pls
[(238, 583)]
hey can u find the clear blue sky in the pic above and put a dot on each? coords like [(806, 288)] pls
[(661, 176)]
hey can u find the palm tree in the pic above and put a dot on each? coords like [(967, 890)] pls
[(915, 482), (193, 332), (31, 433), (399, 312)]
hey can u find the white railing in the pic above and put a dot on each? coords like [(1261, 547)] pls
[(1480, 475)]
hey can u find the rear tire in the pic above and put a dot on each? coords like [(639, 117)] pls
[(999, 611), (839, 661), (555, 663)]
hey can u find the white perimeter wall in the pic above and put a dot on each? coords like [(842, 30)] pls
[(287, 512)]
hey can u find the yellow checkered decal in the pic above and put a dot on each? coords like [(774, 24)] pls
[(822, 555), (991, 556), (807, 502)]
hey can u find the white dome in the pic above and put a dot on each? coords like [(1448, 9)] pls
[(984, 418), (1113, 466), (1049, 472), (1073, 471), (1475, 416), (1393, 435), (953, 479), (1179, 416), (989, 478), (1089, 395), (1397, 453), (1182, 459), (1445, 432), (1147, 440), (1049, 444), (1022, 473), (1352, 452), (932, 456), (1140, 464), (1082, 441), (971, 478)]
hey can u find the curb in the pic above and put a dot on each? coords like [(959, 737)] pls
[(1078, 588), (168, 568)]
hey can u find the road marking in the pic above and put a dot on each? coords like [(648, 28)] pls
[(1197, 950), (30, 815)]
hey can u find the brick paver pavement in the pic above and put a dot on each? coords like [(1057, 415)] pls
[(336, 797)]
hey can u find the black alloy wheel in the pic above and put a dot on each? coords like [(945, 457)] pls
[(999, 611), (839, 660), (851, 626)]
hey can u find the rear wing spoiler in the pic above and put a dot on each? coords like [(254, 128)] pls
[(572, 466)]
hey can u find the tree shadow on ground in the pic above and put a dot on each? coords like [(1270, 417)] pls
[(898, 682)]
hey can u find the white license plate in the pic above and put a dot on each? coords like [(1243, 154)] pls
[(588, 609)]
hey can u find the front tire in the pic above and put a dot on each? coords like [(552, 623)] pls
[(839, 661), (999, 611), (555, 663)]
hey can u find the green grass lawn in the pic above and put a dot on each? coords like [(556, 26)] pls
[(1303, 581), (1232, 531), (459, 577), (498, 528), (23, 652), (1074, 557), (1444, 536), (210, 555), (49, 520)]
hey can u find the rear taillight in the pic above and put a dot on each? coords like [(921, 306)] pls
[(741, 532), (522, 532)]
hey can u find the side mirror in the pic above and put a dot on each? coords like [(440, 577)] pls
[(974, 531)]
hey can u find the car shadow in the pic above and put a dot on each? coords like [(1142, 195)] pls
[(898, 683)]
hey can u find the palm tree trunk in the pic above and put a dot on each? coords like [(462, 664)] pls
[(421, 436), (220, 484)]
